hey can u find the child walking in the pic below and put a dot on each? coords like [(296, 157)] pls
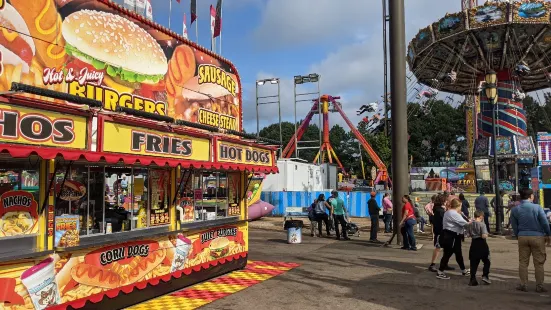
[(479, 250)]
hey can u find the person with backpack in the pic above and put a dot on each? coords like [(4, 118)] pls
[(312, 217), (320, 214), (420, 220)]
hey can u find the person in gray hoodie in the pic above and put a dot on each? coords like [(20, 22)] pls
[(531, 227), (451, 239)]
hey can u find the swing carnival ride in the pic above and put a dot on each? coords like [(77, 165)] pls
[(454, 55), (330, 104)]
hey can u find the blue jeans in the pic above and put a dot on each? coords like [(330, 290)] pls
[(407, 234), (422, 223), (387, 218)]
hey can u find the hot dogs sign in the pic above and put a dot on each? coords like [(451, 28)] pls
[(90, 49), (67, 277)]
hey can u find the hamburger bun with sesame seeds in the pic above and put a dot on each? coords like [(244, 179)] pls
[(127, 53)]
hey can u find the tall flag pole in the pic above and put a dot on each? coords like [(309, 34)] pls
[(193, 11), (218, 23), (212, 24), (169, 12), (185, 27), (149, 10)]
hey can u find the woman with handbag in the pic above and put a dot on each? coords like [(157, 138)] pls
[(407, 224), (451, 238)]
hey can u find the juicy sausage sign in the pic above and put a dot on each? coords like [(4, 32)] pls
[(242, 154), (38, 127)]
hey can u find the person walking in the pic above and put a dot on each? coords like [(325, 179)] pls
[(420, 219), (407, 223), (339, 211), (481, 203), (321, 214), (479, 250), (437, 227), (451, 239), (373, 209), (387, 213), (430, 206), (532, 228), (464, 206)]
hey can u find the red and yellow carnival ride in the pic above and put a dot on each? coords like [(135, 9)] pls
[(123, 172), (329, 103)]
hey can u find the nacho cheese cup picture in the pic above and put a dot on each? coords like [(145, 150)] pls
[(40, 283), (219, 247), (181, 250)]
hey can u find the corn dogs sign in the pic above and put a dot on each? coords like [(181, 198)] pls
[(99, 53)]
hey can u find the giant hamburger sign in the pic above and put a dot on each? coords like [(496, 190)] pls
[(93, 49)]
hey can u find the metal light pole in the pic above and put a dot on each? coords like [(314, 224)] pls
[(385, 62), (278, 101), (303, 79), (398, 108), (491, 94)]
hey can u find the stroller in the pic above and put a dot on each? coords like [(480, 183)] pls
[(351, 228)]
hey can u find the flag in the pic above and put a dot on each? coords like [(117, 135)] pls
[(218, 19), (130, 4), (140, 6), (148, 10), (193, 11), (178, 1), (212, 19), (185, 26)]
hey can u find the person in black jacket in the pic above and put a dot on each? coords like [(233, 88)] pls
[(373, 208), (437, 227)]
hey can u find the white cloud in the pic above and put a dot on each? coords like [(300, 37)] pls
[(301, 22)]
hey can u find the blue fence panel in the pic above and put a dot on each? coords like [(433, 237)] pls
[(356, 202)]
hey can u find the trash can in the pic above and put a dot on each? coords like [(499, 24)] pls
[(294, 231)]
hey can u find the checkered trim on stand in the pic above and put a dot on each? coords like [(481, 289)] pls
[(204, 293)]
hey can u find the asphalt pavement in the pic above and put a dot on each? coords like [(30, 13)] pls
[(358, 274)]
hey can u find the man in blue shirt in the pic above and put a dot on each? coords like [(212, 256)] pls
[(532, 228)]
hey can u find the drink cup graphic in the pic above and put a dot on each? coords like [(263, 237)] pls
[(182, 245), (40, 283)]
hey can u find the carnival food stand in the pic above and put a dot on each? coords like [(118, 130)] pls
[(123, 170)]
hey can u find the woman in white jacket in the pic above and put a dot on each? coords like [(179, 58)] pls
[(451, 239)]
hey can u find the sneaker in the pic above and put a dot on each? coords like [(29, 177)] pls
[(449, 268), (466, 272), (432, 268), (522, 288), (422, 231), (486, 280), (404, 248), (312, 235), (413, 249), (540, 289), (346, 238), (442, 276), (473, 282)]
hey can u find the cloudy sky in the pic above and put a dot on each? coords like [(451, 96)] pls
[(340, 40)]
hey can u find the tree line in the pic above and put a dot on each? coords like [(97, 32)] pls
[(436, 134)]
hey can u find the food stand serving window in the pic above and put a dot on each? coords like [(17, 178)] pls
[(109, 199), (208, 195)]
